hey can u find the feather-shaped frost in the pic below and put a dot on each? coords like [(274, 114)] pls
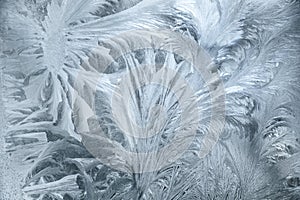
[(65, 73)]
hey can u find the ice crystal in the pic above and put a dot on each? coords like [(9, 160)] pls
[(152, 99)]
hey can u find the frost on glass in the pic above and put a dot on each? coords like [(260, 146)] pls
[(152, 99)]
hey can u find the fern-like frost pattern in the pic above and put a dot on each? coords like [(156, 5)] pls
[(150, 99)]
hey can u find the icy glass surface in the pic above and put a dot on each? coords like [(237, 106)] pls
[(149, 99)]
